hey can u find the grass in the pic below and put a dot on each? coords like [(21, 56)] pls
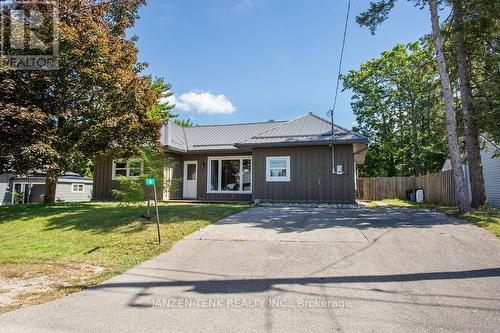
[(74, 245), (485, 217)]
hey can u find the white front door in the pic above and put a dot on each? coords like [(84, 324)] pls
[(190, 178), (22, 196)]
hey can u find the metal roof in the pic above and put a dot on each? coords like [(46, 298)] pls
[(176, 136), (308, 129)]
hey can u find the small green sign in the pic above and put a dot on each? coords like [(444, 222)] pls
[(150, 181)]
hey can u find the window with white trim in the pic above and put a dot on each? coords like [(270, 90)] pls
[(229, 174), (130, 168), (278, 168), (77, 188)]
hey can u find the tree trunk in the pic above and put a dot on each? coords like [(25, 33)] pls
[(416, 151), (50, 186), (451, 121), (472, 146)]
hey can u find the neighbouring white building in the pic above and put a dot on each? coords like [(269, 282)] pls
[(490, 158)]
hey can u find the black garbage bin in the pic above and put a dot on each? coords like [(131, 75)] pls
[(410, 196)]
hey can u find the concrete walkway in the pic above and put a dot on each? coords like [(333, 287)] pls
[(296, 270)]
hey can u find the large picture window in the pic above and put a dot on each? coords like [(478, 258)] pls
[(230, 174), (131, 168), (278, 168)]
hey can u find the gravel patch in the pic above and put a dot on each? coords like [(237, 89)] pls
[(38, 278), (14, 286)]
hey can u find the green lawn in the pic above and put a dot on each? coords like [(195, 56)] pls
[(81, 244), (487, 218)]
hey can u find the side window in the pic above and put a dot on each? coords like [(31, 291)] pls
[(119, 168), (134, 168), (278, 168), (131, 168), (77, 188)]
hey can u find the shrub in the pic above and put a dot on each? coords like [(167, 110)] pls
[(134, 190), (129, 190)]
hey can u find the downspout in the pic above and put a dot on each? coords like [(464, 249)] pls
[(333, 145), (355, 176)]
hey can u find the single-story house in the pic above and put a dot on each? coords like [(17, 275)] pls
[(71, 187), (490, 159), (275, 161)]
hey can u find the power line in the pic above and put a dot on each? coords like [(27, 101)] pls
[(340, 62), (331, 112)]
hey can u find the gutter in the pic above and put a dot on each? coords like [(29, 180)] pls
[(173, 149), (248, 147), (300, 143)]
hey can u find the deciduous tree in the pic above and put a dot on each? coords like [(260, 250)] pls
[(96, 102), (397, 106)]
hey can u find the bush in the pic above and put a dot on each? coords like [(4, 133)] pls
[(129, 190), (134, 190)]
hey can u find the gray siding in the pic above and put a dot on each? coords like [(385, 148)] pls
[(491, 170), (311, 177), (5, 195), (64, 193), (63, 190)]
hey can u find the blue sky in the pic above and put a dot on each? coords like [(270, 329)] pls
[(253, 60)]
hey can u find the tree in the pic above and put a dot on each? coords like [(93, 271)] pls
[(376, 14), (479, 26), (451, 122), (96, 102), (471, 136), (184, 123), (154, 162), (397, 106), (163, 108)]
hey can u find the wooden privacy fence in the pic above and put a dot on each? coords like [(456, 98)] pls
[(438, 187)]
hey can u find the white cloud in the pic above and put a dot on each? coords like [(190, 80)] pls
[(203, 102)]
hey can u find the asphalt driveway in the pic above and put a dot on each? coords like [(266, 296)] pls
[(298, 269)]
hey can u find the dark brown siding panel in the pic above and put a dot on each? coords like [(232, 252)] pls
[(176, 173), (202, 178), (311, 177), (103, 183)]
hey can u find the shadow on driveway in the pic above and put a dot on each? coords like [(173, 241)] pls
[(237, 286), (299, 219)]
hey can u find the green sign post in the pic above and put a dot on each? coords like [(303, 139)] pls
[(152, 182)]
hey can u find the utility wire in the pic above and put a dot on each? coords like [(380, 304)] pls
[(331, 112), (340, 62)]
